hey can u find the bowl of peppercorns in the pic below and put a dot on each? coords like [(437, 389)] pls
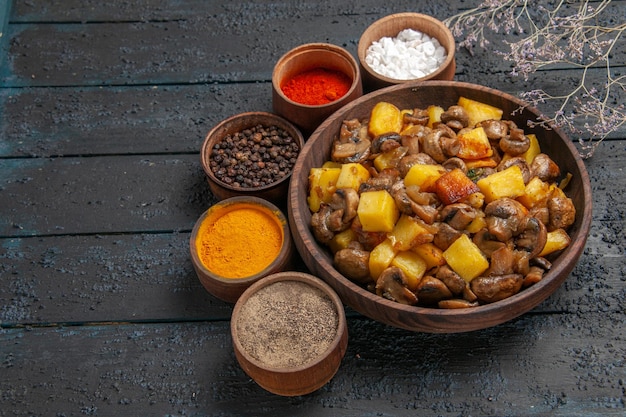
[(251, 153)]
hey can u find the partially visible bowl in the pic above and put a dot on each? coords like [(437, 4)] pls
[(305, 58), (443, 93), (296, 345), (241, 219), (274, 191), (390, 26)]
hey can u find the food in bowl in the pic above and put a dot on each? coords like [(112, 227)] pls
[(440, 207)]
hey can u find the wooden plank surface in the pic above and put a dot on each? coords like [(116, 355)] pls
[(567, 369), (103, 108)]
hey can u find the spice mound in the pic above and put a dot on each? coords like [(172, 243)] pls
[(255, 157), (287, 324), (317, 86), (239, 241), (410, 55)]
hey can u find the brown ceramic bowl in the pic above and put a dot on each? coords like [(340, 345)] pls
[(307, 57), (444, 93), (315, 343), (229, 289), (390, 26), (274, 192)]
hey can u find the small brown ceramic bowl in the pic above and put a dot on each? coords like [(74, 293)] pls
[(259, 244), (390, 26), (308, 57), (296, 346), (274, 191), (319, 260)]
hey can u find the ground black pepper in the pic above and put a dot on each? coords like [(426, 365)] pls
[(255, 157)]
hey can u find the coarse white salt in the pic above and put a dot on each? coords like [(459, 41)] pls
[(410, 55)]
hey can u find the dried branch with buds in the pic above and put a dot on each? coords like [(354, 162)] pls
[(556, 34)]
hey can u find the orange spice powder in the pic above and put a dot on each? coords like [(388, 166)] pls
[(317, 86), (240, 243)]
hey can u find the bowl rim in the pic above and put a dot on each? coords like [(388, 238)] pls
[(317, 47), (449, 44), (224, 124), (558, 273), (308, 279), (264, 205)]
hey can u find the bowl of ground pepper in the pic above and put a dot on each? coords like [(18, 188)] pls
[(289, 333), (238, 241), (251, 153), (313, 80)]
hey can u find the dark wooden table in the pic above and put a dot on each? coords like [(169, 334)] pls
[(103, 109)]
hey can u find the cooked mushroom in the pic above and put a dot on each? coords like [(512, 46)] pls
[(386, 142), (392, 284), (351, 151), (319, 224), (411, 143), (445, 236), (495, 288), (347, 200), (504, 217), (502, 262), (431, 290), (426, 204), (532, 236), (562, 212), (453, 281), (441, 143), (455, 117), (383, 181), (521, 163), (545, 168), (486, 242), (456, 303), (458, 215), (534, 275), (515, 143), (416, 117), (495, 129), (455, 162), (354, 264)]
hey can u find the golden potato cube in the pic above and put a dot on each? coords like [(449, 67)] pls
[(434, 115), (322, 185), (380, 258), (352, 175), (505, 183), (431, 254), (341, 240), (536, 192), (331, 164), (557, 240), (465, 258), (478, 223), (390, 159), (454, 186), (385, 118), (377, 211), (533, 150), (408, 232), (478, 111), (474, 144), (423, 176), (413, 267)]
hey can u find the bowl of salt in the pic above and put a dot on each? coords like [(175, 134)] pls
[(405, 47)]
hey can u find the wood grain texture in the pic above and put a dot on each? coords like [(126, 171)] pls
[(103, 110)]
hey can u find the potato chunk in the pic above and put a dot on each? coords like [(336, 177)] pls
[(384, 118), (380, 258), (478, 111), (377, 211), (454, 186), (352, 175), (431, 254), (424, 176), (506, 183), (322, 185), (409, 232), (474, 144), (557, 240), (465, 258), (412, 265)]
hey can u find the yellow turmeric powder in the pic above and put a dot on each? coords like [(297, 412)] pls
[(240, 242)]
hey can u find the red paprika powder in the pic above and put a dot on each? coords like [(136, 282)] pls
[(317, 86)]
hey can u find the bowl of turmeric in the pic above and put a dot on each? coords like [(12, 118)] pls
[(238, 241), (311, 81), (437, 207)]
